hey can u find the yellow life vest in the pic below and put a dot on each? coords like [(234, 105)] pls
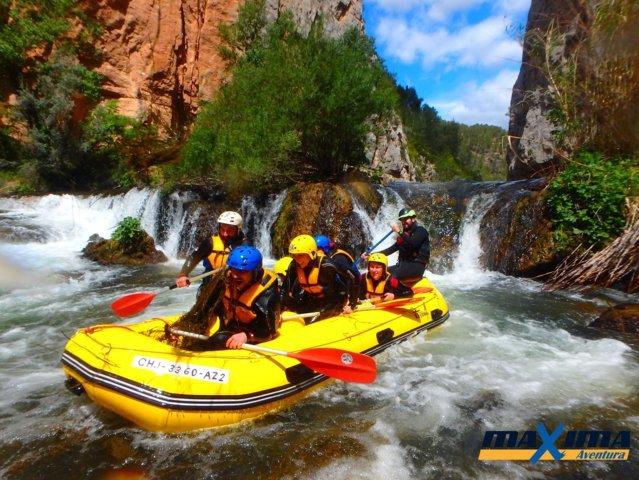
[(219, 254), (311, 284), (343, 252), (239, 309), (375, 290)]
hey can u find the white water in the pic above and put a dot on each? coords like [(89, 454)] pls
[(510, 356)]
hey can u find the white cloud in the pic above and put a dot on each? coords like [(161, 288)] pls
[(483, 44), (487, 102)]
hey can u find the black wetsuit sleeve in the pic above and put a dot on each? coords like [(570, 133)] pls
[(267, 311), (390, 250), (291, 294), (397, 288), (345, 268), (415, 240), (335, 292), (203, 251)]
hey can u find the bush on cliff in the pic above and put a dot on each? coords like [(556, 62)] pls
[(295, 109), (587, 200)]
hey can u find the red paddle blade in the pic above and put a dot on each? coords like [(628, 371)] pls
[(398, 302), (340, 364), (132, 304), (422, 289)]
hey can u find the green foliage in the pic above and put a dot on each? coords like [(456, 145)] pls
[(128, 232), (47, 110), (25, 24), (587, 200), (243, 36), (296, 108), (117, 140), (457, 151), (481, 153)]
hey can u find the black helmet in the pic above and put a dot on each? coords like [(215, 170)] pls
[(406, 213)]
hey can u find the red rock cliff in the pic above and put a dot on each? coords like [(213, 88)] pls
[(160, 57)]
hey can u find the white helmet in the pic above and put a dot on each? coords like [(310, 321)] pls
[(230, 218)]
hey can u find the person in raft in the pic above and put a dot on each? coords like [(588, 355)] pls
[(378, 283), (344, 263), (213, 251), (281, 267), (250, 308), (312, 283), (413, 245)]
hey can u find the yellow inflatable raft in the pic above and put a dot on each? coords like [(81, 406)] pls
[(133, 370)]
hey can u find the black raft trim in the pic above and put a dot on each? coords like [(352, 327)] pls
[(177, 401)]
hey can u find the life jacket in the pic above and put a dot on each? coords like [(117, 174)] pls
[(239, 309), (219, 253), (343, 252), (311, 284), (373, 290)]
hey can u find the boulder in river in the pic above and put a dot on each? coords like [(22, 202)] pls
[(112, 252), (623, 317)]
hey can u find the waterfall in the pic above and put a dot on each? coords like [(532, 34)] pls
[(468, 259), (258, 221)]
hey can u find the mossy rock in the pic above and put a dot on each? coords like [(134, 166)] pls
[(111, 252), (318, 208)]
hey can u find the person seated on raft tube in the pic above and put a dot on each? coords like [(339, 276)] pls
[(413, 244), (213, 251), (378, 283), (312, 282), (281, 267), (344, 263), (250, 308)]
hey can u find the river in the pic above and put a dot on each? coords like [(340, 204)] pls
[(510, 356)]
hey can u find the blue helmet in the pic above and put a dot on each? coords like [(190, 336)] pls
[(323, 242), (245, 258)]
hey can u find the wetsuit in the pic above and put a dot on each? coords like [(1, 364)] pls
[(345, 266), (318, 287), (212, 251), (254, 310), (413, 245)]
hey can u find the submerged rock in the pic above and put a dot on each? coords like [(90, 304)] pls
[(111, 252), (621, 318)]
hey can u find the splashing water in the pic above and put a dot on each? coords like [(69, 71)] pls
[(511, 355)]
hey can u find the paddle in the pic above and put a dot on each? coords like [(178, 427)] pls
[(398, 302), (422, 289), (136, 302), (332, 362), (373, 248)]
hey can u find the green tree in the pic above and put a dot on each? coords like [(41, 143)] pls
[(25, 24), (47, 110), (297, 108)]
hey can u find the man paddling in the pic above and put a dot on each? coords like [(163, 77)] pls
[(213, 251), (413, 245)]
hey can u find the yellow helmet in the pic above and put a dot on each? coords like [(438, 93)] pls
[(281, 266), (303, 244), (379, 258)]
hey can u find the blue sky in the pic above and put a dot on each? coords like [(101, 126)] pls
[(461, 56)]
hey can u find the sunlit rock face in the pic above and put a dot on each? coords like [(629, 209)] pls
[(160, 58), (531, 131)]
